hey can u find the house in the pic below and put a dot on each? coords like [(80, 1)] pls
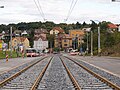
[(40, 40), (112, 27), (57, 30), (77, 37), (66, 41), (63, 41), (21, 42), (40, 32), (17, 32), (40, 43), (1, 42)]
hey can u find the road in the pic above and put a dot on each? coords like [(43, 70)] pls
[(14, 62), (110, 64)]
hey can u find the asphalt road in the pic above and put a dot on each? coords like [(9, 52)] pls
[(110, 64), (14, 62)]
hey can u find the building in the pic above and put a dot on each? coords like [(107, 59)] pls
[(1, 42), (66, 41), (17, 32), (63, 41), (40, 32), (40, 40), (57, 30), (20, 42), (112, 27), (40, 43), (77, 37)]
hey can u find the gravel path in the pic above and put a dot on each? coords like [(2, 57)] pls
[(26, 79), (56, 77), (85, 80)]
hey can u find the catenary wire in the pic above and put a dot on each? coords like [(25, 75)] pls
[(40, 10)]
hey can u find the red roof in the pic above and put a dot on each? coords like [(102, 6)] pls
[(43, 38), (112, 26), (0, 41), (59, 29)]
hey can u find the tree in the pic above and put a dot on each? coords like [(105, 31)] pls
[(50, 39)]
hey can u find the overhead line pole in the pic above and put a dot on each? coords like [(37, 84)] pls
[(11, 42)]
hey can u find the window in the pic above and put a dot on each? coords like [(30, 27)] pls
[(15, 40), (65, 44), (65, 40)]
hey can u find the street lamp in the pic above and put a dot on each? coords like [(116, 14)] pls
[(91, 43), (115, 0), (99, 48), (87, 30), (11, 42), (1, 6)]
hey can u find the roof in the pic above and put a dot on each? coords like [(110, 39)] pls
[(67, 36), (58, 29), (77, 31), (112, 26), (41, 31), (22, 39), (43, 38), (63, 36), (0, 41)]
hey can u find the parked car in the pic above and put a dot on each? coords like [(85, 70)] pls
[(74, 52), (31, 52)]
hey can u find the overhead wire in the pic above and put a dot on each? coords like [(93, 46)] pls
[(69, 9), (40, 9), (73, 3)]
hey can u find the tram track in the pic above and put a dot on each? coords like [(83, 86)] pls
[(24, 78), (57, 73), (99, 77), (55, 77), (17, 68)]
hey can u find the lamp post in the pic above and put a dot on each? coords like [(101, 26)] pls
[(11, 42), (115, 0), (1, 6), (99, 48), (91, 43), (87, 30)]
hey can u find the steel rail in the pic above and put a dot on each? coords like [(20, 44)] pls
[(109, 83), (40, 76), (75, 83), (18, 73)]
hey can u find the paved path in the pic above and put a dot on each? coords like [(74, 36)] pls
[(5, 66), (110, 64)]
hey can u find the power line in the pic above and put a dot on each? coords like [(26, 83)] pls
[(40, 9), (73, 3), (70, 9)]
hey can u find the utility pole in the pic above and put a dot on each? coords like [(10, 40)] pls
[(91, 43), (115, 0), (87, 43), (11, 42), (99, 49)]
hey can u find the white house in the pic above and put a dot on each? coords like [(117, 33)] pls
[(40, 43)]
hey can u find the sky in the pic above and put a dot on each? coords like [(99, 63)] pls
[(16, 11)]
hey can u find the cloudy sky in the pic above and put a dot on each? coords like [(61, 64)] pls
[(16, 11)]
